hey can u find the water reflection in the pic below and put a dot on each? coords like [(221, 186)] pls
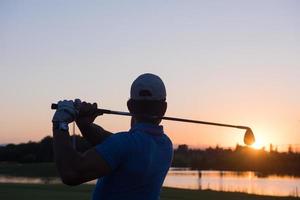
[(29, 180), (248, 182)]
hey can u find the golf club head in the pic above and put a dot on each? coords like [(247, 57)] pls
[(249, 138)]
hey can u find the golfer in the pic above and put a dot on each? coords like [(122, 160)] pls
[(128, 165)]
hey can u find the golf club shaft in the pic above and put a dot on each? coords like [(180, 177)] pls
[(104, 111)]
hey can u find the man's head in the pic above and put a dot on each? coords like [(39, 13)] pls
[(147, 98)]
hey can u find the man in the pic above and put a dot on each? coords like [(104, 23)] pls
[(129, 165)]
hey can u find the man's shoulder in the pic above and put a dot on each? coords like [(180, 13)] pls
[(122, 134), (169, 144), (167, 138), (124, 137), (131, 139)]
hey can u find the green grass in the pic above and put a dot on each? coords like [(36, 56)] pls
[(83, 192)]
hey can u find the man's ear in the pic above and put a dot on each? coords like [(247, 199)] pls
[(129, 105), (164, 107)]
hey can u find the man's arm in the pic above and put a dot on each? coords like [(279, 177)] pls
[(75, 168), (93, 133)]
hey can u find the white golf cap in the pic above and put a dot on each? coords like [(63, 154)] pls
[(148, 87)]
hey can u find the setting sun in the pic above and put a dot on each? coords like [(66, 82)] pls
[(258, 144)]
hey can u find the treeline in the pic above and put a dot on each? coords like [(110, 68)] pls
[(31, 152), (239, 159)]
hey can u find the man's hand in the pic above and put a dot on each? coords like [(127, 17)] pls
[(87, 113), (91, 132), (65, 112)]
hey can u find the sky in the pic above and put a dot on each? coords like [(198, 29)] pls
[(229, 61)]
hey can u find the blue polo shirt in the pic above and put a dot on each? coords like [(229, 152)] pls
[(139, 159)]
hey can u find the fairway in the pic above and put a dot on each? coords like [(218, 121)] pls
[(83, 192)]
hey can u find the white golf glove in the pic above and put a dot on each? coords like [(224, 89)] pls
[(66, 111)]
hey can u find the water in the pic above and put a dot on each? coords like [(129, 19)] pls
[(248, 182), (230, 181)]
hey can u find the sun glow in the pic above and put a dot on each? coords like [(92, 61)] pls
[(261, 138), (258, 144)]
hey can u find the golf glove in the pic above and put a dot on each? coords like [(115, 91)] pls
[(66, 111)]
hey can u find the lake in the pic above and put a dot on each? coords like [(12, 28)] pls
[(248, 182), (231, 181)]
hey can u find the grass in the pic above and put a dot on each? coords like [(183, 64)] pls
[(83, 192)]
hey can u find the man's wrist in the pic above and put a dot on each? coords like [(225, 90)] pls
[(83, 125)]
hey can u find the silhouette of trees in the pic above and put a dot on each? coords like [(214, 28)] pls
[(240, 159), (35, 151)]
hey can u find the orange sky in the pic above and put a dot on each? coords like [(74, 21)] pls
[(221, 62)]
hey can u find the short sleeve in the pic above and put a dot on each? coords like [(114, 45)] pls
[(114, 150)]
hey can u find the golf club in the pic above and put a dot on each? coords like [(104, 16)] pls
[(249, 138)]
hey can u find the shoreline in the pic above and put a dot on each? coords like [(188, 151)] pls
[(14, 191), (48, 169)]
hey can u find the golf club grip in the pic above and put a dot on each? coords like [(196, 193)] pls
[(54, 106), (99, 111)]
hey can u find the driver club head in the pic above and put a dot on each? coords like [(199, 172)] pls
[(249, 138)]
